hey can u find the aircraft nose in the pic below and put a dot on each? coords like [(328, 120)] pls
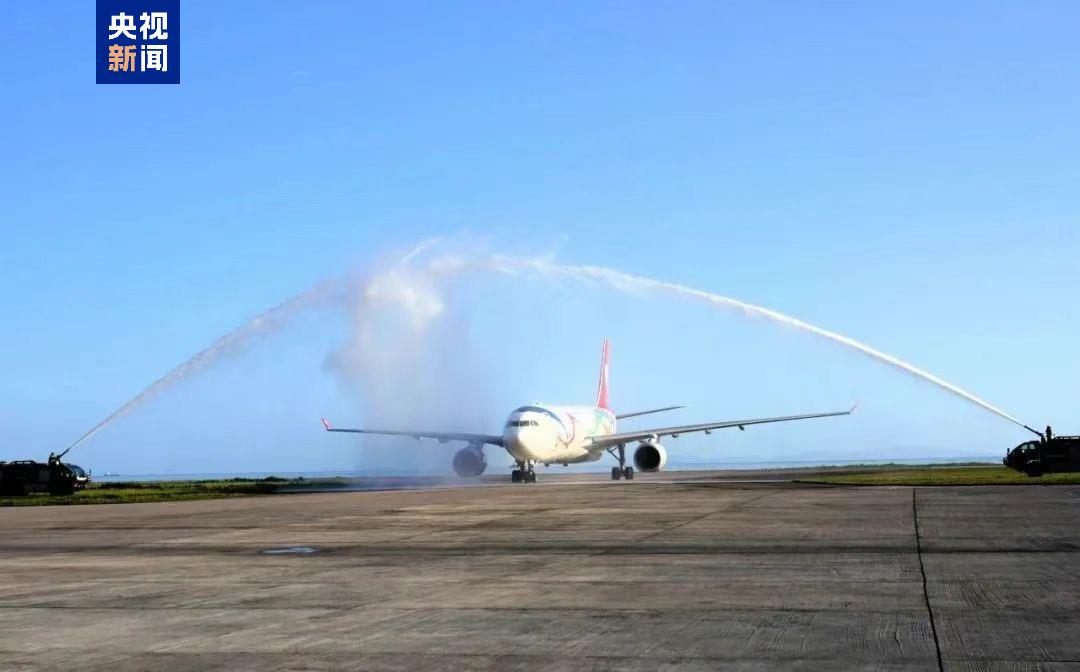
[(519, 443)]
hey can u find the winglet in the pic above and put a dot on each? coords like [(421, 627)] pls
[(854, 407), (326, 424)]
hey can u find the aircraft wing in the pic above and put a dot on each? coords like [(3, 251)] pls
[(642, 434), (620, 416), (441, 437)]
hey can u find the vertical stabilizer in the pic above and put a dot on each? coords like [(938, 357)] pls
[(602, 386)]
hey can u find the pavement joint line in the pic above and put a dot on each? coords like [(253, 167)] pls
[(724, 509), (168, 652), (608, 550), (922, 569), (425, 609), (442, 582), (470, 526)]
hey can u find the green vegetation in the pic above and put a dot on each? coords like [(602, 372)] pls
[(940, 475), (880, 474), (892, 466), (172, 491)]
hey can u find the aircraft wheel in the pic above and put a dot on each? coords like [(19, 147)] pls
[(515, 476), (616, 473), (628, 473), (530, 477)]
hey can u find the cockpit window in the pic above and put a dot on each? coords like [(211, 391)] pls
[(523, 423), (533, 409), (539, 410)]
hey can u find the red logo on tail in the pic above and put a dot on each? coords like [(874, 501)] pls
[(602, 387)]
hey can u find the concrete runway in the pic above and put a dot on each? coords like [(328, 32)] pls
[(643, 575)]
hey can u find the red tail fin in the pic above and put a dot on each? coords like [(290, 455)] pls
[(602, 386)]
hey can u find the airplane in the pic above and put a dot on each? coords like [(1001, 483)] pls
[(546, 434)]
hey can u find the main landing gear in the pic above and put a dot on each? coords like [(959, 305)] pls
[(621, 471), (523, 474)]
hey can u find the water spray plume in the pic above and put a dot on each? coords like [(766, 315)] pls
[(338, 291), (415, 293), (627, 282), (267, 322)]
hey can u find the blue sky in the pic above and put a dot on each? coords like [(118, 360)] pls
[(904, 174)]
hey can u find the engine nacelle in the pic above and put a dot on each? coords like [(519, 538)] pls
[(650, 456), (469, 462)]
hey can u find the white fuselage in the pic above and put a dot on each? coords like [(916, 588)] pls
[(556, 434)]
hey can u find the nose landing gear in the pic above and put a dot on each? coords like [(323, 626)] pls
[(523, 474)]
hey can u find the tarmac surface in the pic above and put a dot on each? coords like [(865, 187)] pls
[(642, 575)]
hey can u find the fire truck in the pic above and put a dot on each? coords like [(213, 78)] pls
[(23, 477), (1050, 454)]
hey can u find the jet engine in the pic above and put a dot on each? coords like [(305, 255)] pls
[(650, 456), (469, 462)]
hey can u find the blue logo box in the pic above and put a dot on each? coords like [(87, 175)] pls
[(138, 41)]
